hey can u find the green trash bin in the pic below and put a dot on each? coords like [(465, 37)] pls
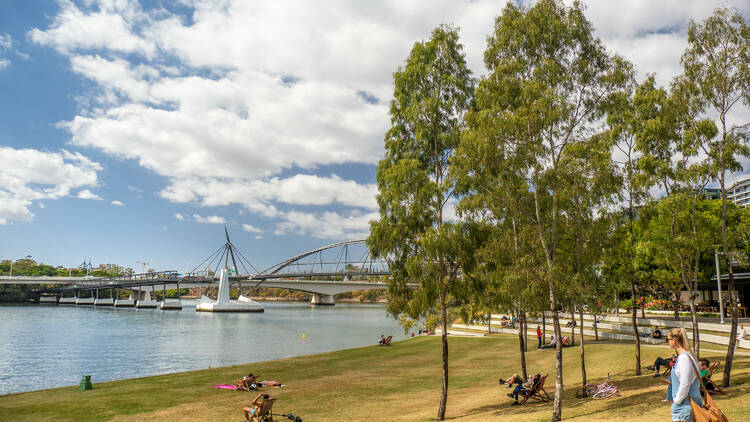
[(85, 383)]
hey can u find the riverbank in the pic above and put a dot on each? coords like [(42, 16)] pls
[(400, 383)]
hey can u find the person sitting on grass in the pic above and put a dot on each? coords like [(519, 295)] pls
[(655, 333), (552, 342), (659, 362), (521, 385)]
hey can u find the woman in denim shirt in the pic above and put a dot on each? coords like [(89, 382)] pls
[(685, 381)]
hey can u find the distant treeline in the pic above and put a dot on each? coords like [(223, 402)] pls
[(29, 267)]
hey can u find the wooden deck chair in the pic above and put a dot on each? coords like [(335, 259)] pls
[(386, 341), (711, 370), (261, 412), (537, 392)]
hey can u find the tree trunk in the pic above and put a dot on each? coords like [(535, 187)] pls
[(635, 333), (676, 306), (525, 332), (583, 358), (572, 326), (522, 344), (557, 409), (643, 311), (596, 329), (730, 272), (489, 323), (444, 340), (696, 334), (544, 328)]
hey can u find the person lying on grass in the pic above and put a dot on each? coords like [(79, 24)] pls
[(521, 385)]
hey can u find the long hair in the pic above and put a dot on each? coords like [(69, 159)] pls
[(680, 337)]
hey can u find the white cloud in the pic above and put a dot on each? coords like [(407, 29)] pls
[(258, 237), (251, 229), (259, 195), (6, 42), (211, 219), (134, 189), (110, 26), (241, 101), (87, 194), (327, 225), (29, 175), (179, 216), (4, 63), (118, 203)]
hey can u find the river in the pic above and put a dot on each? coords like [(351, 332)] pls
[(44, 346)]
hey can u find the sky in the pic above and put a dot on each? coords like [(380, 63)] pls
[(134, 130)]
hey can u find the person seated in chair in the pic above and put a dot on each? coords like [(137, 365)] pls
[(521, 385), (247, 382), (659, 362), (571, 323), (261, 407), (706, 370)]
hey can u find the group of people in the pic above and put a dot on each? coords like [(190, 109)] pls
[(552, 341)]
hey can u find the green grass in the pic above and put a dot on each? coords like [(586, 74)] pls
[(399, 383)]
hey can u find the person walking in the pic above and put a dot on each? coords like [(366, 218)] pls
[(539, 336), (685, 381)]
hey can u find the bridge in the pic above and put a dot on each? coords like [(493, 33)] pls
[(323, 272)]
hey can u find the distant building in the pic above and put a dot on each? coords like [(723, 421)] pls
[(739, 192), (712, 193)]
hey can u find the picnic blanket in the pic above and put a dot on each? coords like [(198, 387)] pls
[(226, 386)]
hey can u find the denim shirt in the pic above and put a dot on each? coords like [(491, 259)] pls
[(682, 411)]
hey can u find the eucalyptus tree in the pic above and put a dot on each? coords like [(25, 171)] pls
[(590, 183), (624, 120), (431, 95), (681, 233), (717, 66), (492, 189), (548, 76)]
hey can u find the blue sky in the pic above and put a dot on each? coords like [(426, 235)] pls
[(133, 131)]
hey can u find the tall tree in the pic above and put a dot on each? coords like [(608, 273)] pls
[(431, 95), (549, 76), (624, 119), (717, 65)]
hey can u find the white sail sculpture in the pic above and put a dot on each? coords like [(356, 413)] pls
[(223, 303)]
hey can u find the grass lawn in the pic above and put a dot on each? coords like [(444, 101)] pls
[(397, 383)]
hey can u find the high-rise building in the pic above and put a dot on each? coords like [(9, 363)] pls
[(739, 192)]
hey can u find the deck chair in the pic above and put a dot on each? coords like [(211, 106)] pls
[(386, 341), (537, 392), (261, 412), (716, 386)]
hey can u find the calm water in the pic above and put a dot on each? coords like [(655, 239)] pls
[(54, 345)]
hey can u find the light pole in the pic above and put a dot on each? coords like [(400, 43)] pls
[(10, 273), (718, 283)]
